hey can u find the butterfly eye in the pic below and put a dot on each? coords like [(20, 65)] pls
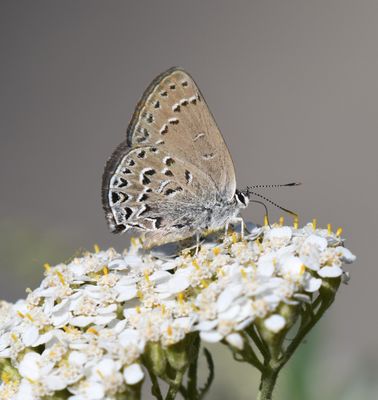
[(242, 199)]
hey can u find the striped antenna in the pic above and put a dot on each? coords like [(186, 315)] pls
[(249, 192)]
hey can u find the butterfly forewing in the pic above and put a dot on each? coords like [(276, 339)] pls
[(172, 165), (174, 114)]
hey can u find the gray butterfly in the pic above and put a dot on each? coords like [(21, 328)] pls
[(173, 176)]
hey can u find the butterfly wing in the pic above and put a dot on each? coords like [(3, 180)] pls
[(173, 163), (173, 113), (147, 189)]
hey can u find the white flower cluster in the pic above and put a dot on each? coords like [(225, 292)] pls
[(86, 327)]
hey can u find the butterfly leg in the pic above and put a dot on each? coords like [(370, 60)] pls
[(198, 237), (237, 220), (226, 228)]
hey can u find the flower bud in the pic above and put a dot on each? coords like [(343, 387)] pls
[(155, 359)]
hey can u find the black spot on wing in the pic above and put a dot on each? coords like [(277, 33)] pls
[(128, 212), (141, 154), (169, 161), (158, 222)]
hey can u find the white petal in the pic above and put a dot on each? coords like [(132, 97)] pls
[(301, 297), (44, 338), (160, 277), (81, 321), (235, 340), (317, 241), (126, 293), (106, 310), (119, 326), (265, 265), (5, 341), (61, 315), (30, 335), (228, 296), (292, 266), (169, 265), (133, 261), (178, 283), (95, 391), (55, 382), (65, 303), (346, 255), (242, 325), (106, 367), (207, 325), (133, 374), (29, 367), (77, 358), (117, 264), (280, 233), (128, 337), (275, 323), (127, 280), (330, 272), (25, 391), (311, 258), (211, 336), (104, 319), (231, 313), (61, 320), (312, 285)]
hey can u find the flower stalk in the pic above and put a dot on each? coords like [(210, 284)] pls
[(277, 357)]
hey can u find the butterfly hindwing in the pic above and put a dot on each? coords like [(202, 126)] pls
[(148, 189)]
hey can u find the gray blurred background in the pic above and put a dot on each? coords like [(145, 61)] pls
[(293, 85)]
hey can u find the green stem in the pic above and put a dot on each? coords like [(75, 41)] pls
[(274, 363), (155, 389), (303, 331), (250, 357), (256, 338), (134, 392), (268, 381), (192, 392), (174, 387)]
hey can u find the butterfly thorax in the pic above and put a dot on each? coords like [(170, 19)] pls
[(223, 211)]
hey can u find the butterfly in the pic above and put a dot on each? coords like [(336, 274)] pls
[(173, 176)]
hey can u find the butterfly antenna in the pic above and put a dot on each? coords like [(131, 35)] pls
[(250, 192), (274, 186)]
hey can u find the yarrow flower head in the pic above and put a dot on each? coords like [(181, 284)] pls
[(94, 326)]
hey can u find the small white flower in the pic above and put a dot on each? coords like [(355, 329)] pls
[(92, 318), (133, 374), (312, 284), (275, 323), (292, 268), (267, 264), (30, 367), (211, 336), (330, 272), (235, 340), (278, 237), (345, 254)]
